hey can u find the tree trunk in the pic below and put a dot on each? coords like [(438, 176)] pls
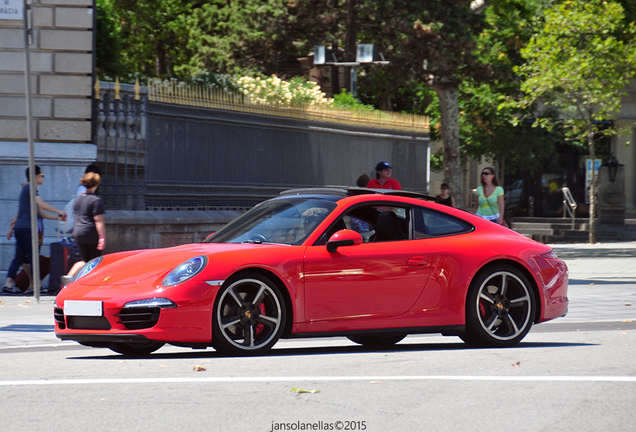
[(385, 103), (590, 140), (160, 62), (449, 109)]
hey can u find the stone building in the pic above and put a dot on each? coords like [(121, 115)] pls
[(61, 57)]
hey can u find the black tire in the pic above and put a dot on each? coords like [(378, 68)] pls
[(135, 348), (249, 315), (500, 307), (377, 340)]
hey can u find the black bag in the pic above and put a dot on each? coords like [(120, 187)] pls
[(64, 254)]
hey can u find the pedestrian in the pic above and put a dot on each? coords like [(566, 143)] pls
[(383, 178), (490, 197), (92, 168), (89, 230), (70, 206), (22, 230), (363, 180), (444, 196)]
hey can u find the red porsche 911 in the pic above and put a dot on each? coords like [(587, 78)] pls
[(370, 265)]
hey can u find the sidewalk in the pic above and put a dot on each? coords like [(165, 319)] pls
[(600, 262)]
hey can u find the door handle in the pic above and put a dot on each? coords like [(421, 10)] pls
[(418, 261)]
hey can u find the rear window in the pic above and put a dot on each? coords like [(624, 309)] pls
[(430, 223)]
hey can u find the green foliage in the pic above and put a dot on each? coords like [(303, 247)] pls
[(437, 161), (252, 36), (152, 35), (433, 41), (579, 62), (347, 100), (108, 41)]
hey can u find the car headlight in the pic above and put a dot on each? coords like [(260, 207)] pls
[(88, 267), (185, 271), (159, 302)]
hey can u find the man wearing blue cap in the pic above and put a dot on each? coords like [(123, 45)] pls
[(383, 178)]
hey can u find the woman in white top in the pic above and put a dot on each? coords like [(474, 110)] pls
[(490, 197)]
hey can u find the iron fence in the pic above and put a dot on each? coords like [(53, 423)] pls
[(167, 156), (119, 116)]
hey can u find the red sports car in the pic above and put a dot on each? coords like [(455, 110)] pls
[(370, 265)]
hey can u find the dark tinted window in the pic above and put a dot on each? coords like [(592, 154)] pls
[(375, 223), (430, 223)]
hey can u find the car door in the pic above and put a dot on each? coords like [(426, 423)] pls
[(373, 279)]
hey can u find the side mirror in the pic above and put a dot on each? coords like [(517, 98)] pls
[(343, 238)]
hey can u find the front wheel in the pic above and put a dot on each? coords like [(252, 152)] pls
[(135, 348), (500, 308), (249, 315)]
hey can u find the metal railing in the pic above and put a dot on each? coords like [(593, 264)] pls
[(119, 116), (173, 147), (569, 205)]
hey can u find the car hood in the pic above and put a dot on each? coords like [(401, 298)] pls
[(157, 263)]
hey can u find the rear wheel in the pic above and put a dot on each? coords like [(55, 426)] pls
[(377, 340), (500, 307), (249, 315), (135, 348)]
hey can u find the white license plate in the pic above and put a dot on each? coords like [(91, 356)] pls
[(82, 308)]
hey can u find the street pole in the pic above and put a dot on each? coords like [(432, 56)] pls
[(35, 249)]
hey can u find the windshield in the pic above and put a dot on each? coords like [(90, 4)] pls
[(288, 220)]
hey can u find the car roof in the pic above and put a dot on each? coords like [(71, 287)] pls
[(344, 191)]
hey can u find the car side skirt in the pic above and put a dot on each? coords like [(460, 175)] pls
[(444, 330)]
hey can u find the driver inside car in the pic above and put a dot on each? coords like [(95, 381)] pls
[(312, 217)]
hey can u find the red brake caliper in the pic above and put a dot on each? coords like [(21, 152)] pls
[(259, 326)]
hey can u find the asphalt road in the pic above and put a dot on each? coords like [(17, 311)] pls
[(574, 373)]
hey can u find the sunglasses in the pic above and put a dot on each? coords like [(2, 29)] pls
[(487, 173)]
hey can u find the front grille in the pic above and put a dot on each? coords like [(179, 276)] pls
[(139, 317), (87, 323), (58, 314)]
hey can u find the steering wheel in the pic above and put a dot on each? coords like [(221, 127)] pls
[(260, 237)]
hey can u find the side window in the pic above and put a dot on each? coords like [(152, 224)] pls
[(378, 223), (429, 223), (365, 229)]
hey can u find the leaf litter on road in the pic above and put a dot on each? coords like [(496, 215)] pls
[(297, 390)]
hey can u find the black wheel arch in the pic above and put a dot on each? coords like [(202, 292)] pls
[(525, 272), (281, 287)]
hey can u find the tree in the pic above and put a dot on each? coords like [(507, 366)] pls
[(254, 36), (153, 36), (108, 42), (579, 62), (433, 42)]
